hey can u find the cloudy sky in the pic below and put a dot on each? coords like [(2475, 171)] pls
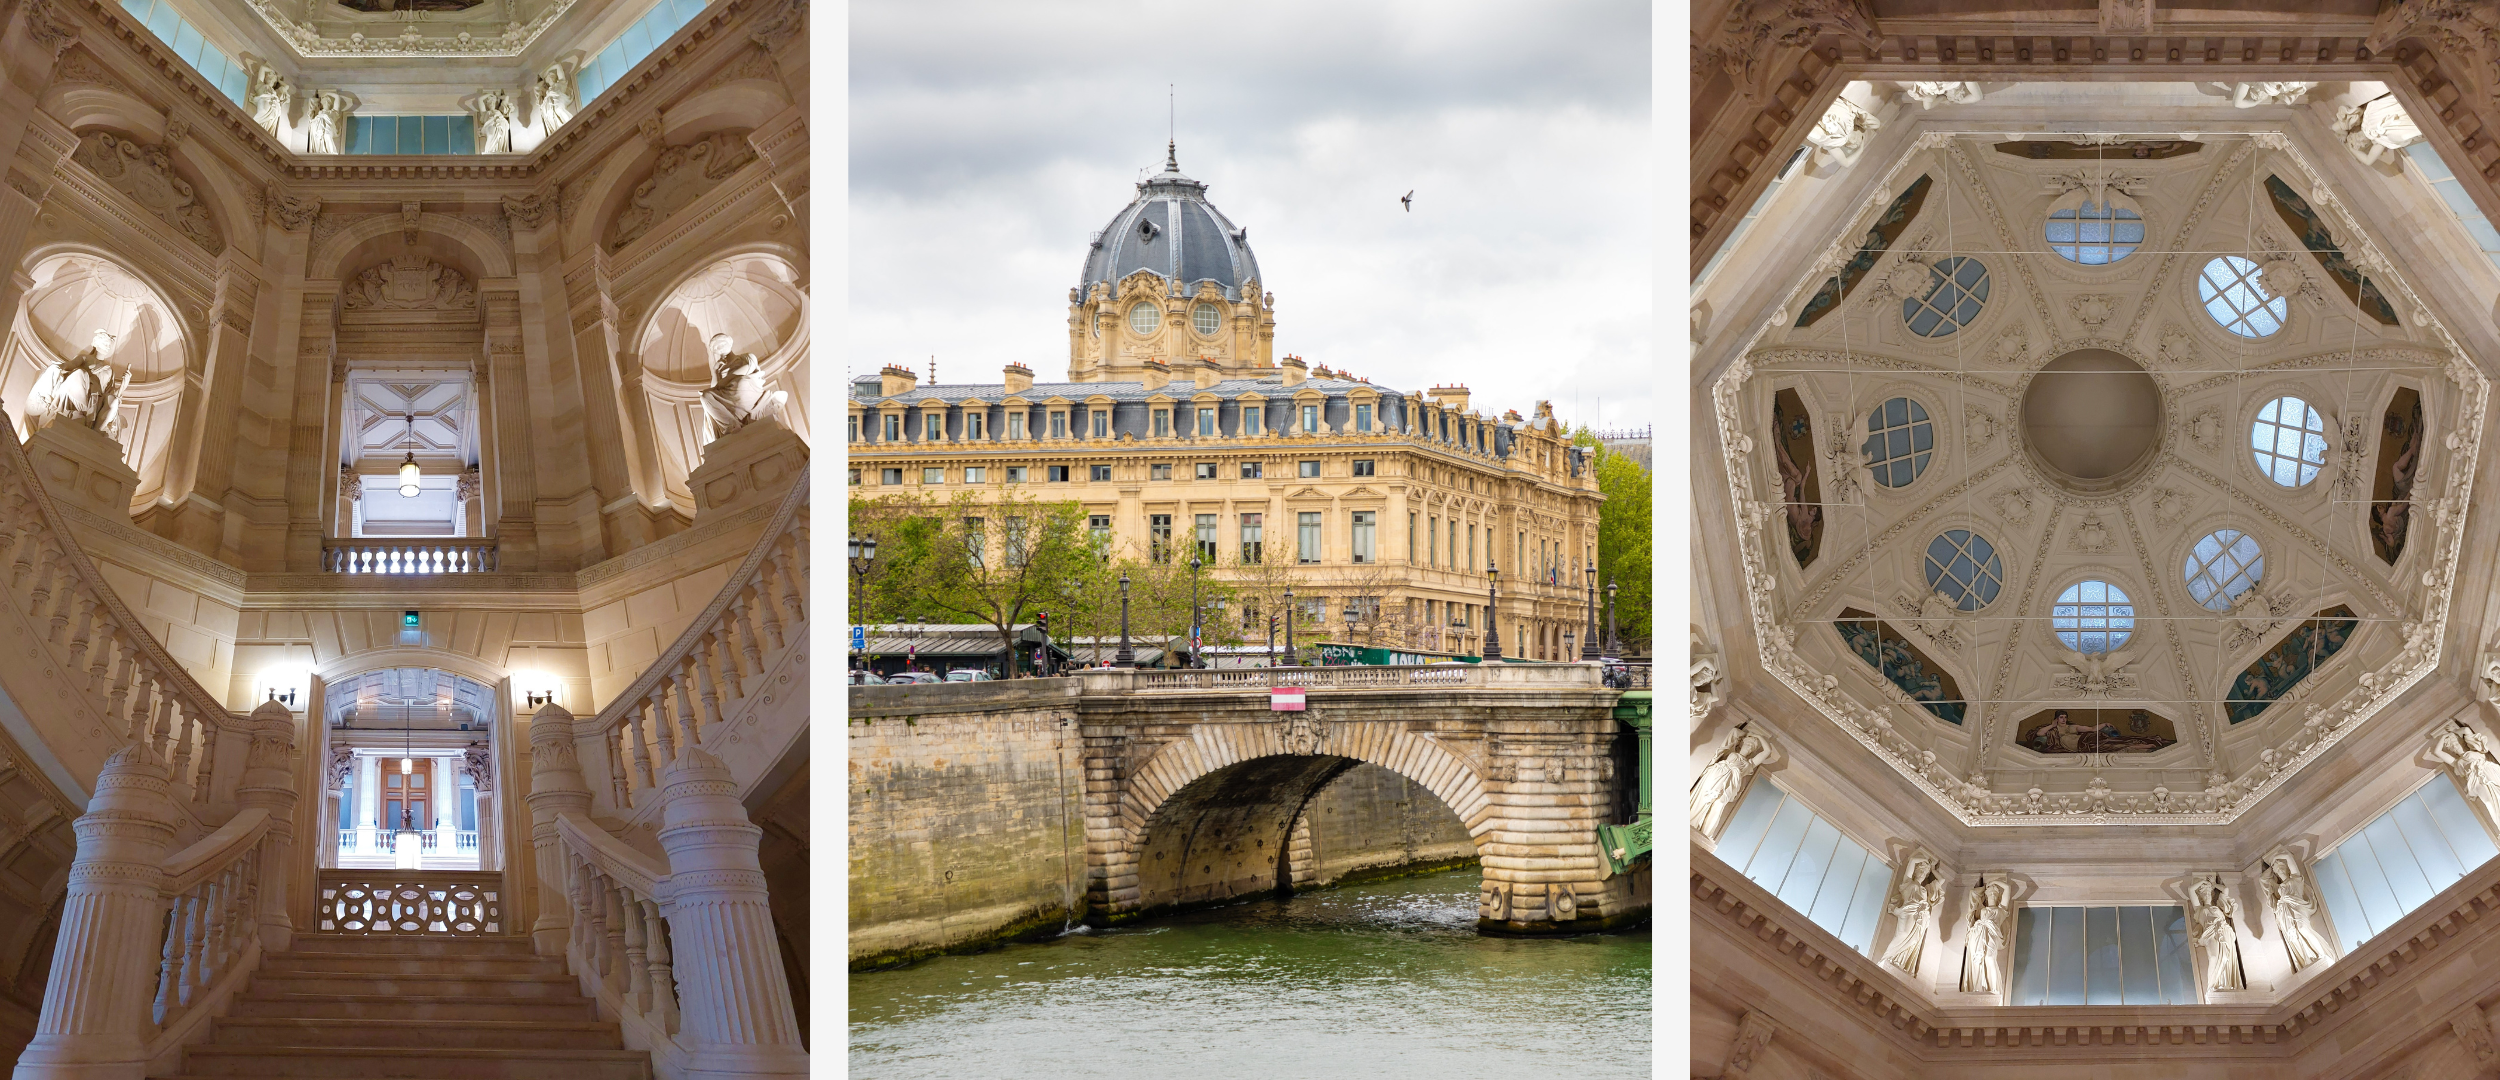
[(988, 140)]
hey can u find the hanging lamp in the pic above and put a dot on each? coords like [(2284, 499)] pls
[(408, 471)]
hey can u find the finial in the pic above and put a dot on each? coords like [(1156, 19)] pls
[(1171, 157)]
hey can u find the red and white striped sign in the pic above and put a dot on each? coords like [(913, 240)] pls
[(1284, 699)]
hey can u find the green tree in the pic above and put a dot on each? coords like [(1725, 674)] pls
[(1623, 535), (995, 562)]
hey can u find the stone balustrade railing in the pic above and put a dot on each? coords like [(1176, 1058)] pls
[(212, 928), (454, 903), (1350, 677), (614, 892), (469, 555), (686, 693)]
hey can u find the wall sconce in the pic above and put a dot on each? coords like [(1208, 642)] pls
[(537, 688), (288, 688)]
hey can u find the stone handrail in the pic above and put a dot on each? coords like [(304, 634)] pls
[(1350, 677), (618, 929), (686, 692), (142, 692), (212, 929), (445, 555)]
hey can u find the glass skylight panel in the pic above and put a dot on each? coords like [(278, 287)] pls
[(2102, 956), (1832, 880), (187, 42), (2399, 861), (2223, 565), (1956, 289), (2443, 182), (2238, 300), (2094, 235), (1900, 441), (1963, 566), (2289, 441), (2093, 617)]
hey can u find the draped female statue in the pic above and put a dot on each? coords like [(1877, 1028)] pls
[(2295, 907), (2468, 755), (740, 393), (1991, 917), (80, 388), (1722, 782), (2213, 918), (1914, 911)]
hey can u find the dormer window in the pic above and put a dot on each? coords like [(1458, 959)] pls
[(1251, 418), (893, 428), (1058, 425), (1310, 419), (1206, 421), (1163, 423), (977, 425), (933, 426), (1015, 423), (1362, 418)]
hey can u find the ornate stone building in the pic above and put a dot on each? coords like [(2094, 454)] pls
[(1183, 436), (403, 513)]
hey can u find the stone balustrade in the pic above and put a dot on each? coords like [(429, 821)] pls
[(457, 903), (469, 555)]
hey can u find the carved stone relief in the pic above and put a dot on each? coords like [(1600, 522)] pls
[(409, 283), (682, 175), (146, 174)]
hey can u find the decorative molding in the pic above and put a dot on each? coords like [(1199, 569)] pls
[(146, 174), (680, 176), (410, 282)]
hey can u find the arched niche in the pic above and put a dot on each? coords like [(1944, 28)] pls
[(757, 298), (76, 295), (612, 189)]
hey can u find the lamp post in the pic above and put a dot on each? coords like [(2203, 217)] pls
[(1614, 644), (1127, 657), (1351, 613), (1197, 651), (1566, 641), (1290, 655), (863, 558), (1588, 649), (1492, 612)]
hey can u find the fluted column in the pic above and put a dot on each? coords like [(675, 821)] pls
[(268, 783), (368, 800), (556, 788), (737, 1017), (96, 1008)]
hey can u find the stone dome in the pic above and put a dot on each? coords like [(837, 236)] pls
[(1172, 230)]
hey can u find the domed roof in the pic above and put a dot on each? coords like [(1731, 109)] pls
[(1174, 231)]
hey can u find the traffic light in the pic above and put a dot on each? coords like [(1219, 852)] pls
[(1043, 621)]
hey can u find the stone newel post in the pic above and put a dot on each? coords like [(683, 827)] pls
[(556, 787), (268, 783), (735, 998), (96, 1008)]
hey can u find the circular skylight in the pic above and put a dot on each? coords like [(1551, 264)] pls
[(1964, 567), (2093, 617), (2223, 565), (2094, 235), (1956, 289), (2237, 300), (2288, 439), (1144, 319), (1899, 442)]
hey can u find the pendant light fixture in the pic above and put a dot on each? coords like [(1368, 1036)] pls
[(408, 472), (407, 745)]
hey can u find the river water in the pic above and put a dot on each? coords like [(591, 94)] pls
[(1384, 980)]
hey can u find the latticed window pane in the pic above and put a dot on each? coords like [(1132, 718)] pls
[(1956, 289), (2238, 301), (2223, 565), (1964, 567), (1900, 440), (2094, 235), (2289, 441), (2093, 617)]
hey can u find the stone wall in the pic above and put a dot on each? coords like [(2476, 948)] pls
[(1371, 823)]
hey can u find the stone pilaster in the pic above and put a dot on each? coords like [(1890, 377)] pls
[(1551, 784), (268, 784), (96, 1007), (734, 996), (556, 788), (308, 472), (515, 457)]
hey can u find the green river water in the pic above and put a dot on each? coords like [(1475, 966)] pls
[(1387, 979)]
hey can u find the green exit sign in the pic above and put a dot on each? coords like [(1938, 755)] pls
[(408, 619)]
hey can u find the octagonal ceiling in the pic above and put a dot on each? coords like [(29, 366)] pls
[(2139, 424)]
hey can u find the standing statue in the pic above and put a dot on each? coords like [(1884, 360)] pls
[(325, 124), (270, 96), (1722, 782), (81, 389), (556, 102), (2468, 755), (2288, 893), (1991, 919), (2213, 919), (1914, 911), (493, 109), (740, 394)]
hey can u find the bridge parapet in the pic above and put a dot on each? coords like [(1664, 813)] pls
[(1351, 677)]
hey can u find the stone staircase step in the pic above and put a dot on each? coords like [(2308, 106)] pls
[(368, 963), (410, 1007), (428, 984), (411, 944), (366, 1033), (356, 1063)]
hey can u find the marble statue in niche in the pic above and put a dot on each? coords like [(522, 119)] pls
[(740, 393), (1991, 917), (2467, 755), (493, 109), (555, 93), (80, 389), (270, 95), (2295, 906), (1913, 908), (1722, 782), (2213, 918), (325, 124)]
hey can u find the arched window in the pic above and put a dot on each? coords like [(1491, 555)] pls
[(2093, 234), (1963, 566), (1899, 442), (2223, 565), (1956, 289), (2288, 439), (2093, 617), (2238, 301)]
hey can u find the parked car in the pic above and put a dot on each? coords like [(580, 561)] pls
[(914, 677), (866, 678), (969, 675)]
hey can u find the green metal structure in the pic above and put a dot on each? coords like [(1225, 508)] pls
[(1628, 844)]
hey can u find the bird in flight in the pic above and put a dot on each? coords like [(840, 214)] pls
[(1408, 201)]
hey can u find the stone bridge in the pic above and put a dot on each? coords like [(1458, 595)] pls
[(1191, 789)]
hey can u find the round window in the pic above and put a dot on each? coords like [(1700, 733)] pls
[(2238, 300), (2288, 439), (1964, 567), (1956, 289), (1144, 319), (1899, 441), (2223, 565), (2094, 235), (2093, 617), (1205, 319)]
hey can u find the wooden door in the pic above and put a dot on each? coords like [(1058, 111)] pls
[(404, 801)]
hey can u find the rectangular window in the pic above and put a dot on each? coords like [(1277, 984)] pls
[(893, 427), (1100, 526), (1015, 474), (976, 540), (890, 477), (1102, 423), (1362, 418), (1251, 417), (2423, 845), (1363, 529), (2102, 956), (1058, 425), (1250, 470), (1163, 423), (1058, 473), (1310, 536), (1102, 472), (1310, 419), (933, 427), (1160, 472), (1432, 541), (1015, 423), (1159, 538), (1253, 532), (1206, 539), (855, 477), (977, 425), (1015, 541), (1363, 468), (1310, 470), (1206, 421), (1791, 851), (1432, 613), (932, 476), (1206, 470), (855, 429), (1470, 564), (975, 474)]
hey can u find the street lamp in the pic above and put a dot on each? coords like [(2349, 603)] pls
[(1197, 652), (1492, 616), (1127, 657), (1614, 644), (1588, 650), (1566, 641), (1289, 653), (863, 558), (1351, 613)]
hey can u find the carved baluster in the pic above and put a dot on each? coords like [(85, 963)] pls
[(162, 734), (187, 733), (84, 638), (772, 619), (40, 580), (663, 980), (749, 645), (27, 557), (120, 691), (206, 777), (194, 939), (637, 728), (100, 661), (612, 921), (637, 973), (168, 969), (716, 690), (789, 567), (693, 722), (617, 771), (662, 725)]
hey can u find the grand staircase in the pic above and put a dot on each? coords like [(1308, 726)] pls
[(355, 1007)]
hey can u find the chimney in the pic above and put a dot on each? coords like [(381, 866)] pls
[(1019, 378), (1155, 373), (1295, 370), (1205, 373), (895, 379), (1453, 398)]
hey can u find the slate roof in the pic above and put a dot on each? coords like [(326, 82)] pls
[(1171, 229)]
